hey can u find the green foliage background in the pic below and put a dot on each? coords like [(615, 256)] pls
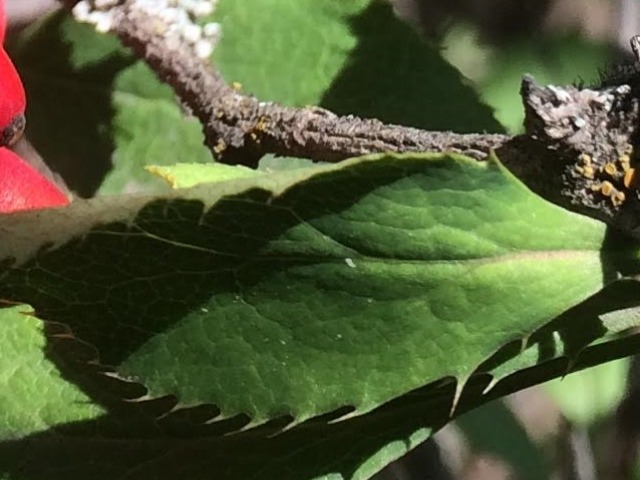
[(368, 293)]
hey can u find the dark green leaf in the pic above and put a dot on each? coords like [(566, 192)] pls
[(413, 269)]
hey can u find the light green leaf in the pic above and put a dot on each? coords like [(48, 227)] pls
[(34, 395), (591, 395), (184, 175)]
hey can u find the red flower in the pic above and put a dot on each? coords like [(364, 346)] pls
[(12, 97), (12, 102), (22, 187)]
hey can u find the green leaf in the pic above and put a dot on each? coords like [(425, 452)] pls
[(351, 449), (184, 175), (353, 57), (592, 395), (427, 258), (382, 275), (33, 395)]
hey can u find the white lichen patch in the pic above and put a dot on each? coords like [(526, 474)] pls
[(178, 20)]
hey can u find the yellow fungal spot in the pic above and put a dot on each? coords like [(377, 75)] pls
[(607, 188), (587, 171), (220, 147), (585, 159), (596, 186), (237, 86), (625, 162), (618, 198), (630, 179), (262, 124), (610, 168), (625, 167)]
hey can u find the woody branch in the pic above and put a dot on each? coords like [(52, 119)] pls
[(578, 150)]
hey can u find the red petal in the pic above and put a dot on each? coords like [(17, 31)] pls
[(12, 96), (22, 187)]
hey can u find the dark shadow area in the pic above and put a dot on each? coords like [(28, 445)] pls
[(499, 21), (199, 256), (82, 450), (315, 447), (545, 348), (69, 109), (133, 299), (423, 462), (486, 430), (591, 356), (422, 90), (223, 254)]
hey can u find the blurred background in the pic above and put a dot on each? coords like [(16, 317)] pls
[(493, 42), (587, 425)]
